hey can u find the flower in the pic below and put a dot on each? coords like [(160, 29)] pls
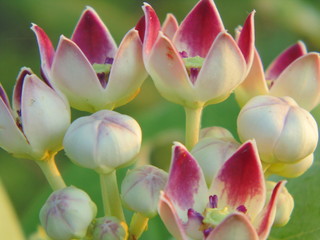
[(197, 63), (89, 68), (284, 132), (110, 228), (35, 125), (67, 214), (294, 73), (234, 205), (104, 141), (140, 189)]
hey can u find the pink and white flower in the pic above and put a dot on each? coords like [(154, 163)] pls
[(294, 73), (234, 207), (197, 63), (89, 68)]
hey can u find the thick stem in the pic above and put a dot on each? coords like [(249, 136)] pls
[(138, 225), (110, 195), (51, 172), (193, 124)]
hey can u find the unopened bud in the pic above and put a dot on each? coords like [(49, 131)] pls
[(104, 141), (140, 189), (217, 132), (284, 132), (110, 228), (67, 214)]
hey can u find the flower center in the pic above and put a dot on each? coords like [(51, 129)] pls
[(192, 64), (103, 71)]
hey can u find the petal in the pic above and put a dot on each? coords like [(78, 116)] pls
[(140, 27), (246, 39), (254, 84), (199, 29), (127, 71), (17, 91), (194, 225), (222, 71), (301, 81), (4, 96), (285, 59), (93, 37), (186, 187), (45, 48), (234, 227), (75, 77), (170, 26), (241, 181), (168, 72), (170, 218), (11, 138), (264, 220), (45, 116), (152, 28)]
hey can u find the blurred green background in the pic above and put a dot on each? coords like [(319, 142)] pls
[(279, 23)]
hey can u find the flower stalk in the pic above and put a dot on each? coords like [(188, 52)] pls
[(138, 225), (193, 125)]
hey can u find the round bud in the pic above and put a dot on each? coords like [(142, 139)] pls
[(104, 141), (285, 204), (284, 132), (67, 214), (110, 228), (217, 132), (140, 189)]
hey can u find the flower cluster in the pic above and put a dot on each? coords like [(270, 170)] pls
[(216, 187)]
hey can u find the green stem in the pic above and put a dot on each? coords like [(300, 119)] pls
[(193, 124), (138, 225), (51, 172), (110, 195)]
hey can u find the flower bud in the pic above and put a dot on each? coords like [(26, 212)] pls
[(211, 153), (140, 189), (291, 170), (216, 132), (110, 228), (104, 141), (67, 214), (285, 204), (284, 132)]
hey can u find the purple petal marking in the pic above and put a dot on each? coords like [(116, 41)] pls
[(247, 38), (207, 231), (183, 54), (103, 78), (109, 60), (213, 201), (285, 59), (194, 72), (184, 178), (17, 91), (93, 37), (192, 214), (4, 96), (242, 209), (199, 29)]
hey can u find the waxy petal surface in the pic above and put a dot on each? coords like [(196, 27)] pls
[(170, 218), (127, 71), (93, 37), (199, 29), (170, 26), (241, 181), (46, 50), (167, 69), (43, 113), (152, 28), (264, 220), (234, 227), (186, 187), (246, 39), (17, 91), (254, 84), (285, 59), (222, 71), (75, 77), (301, 81)]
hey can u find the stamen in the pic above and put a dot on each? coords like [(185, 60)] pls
[(108, 60), (194, 74), (213, 201), (207, 231), (183, 54), (194, 214), (103, 79), (242, 209)]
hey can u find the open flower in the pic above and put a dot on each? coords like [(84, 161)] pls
[(89, 68), (35, 125), (197, 63), (233, 208), (294, 73)]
